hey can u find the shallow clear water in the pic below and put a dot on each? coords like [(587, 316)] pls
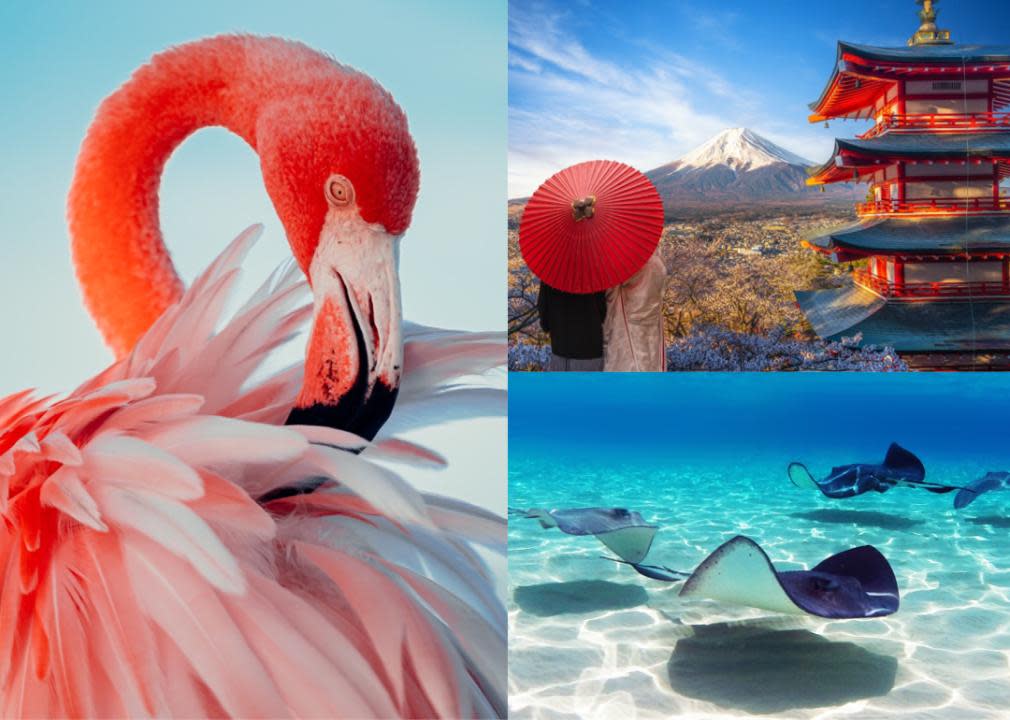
[(704, 456)]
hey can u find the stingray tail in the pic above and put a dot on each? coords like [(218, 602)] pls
[(931, 487), (655, 572), (939, 489)]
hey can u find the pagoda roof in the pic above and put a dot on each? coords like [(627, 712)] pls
[(934, 326), (863, 72), (857, 153), (938, 54), (959, 235)]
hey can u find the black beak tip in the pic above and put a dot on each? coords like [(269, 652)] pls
[(350, 414)]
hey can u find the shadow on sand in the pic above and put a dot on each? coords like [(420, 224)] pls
[(994, 521), (867, 518), (758, 670), (578, 596)]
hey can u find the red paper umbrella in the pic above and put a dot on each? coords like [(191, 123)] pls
[(591, 226)]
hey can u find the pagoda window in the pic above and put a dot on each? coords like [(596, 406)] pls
[(946, 97), (947, 106), (949, 189), (954, 170), (990, 271), (946, 86)]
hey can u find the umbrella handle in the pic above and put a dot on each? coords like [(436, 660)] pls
[(584, 208)]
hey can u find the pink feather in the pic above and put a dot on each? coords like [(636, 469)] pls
[(141, 577)]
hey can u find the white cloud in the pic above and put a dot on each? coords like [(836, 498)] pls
[(523, 63), (575, 106)]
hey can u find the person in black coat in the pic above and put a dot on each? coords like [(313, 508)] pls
[(574, 323)]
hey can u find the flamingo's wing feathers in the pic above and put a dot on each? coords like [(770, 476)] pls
[(170, 549)]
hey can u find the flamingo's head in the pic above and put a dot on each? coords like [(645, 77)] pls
[(341, 168)]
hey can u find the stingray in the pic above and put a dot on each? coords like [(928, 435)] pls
[(899, 469), (989, 481), (856, 583), (625, 532)]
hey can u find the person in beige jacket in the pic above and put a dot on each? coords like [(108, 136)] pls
[(633, 328)]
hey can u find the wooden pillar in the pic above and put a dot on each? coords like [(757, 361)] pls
[(899, 275), (1006, 275)]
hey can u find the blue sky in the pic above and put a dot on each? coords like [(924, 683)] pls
[(644, 82), (444, 61)]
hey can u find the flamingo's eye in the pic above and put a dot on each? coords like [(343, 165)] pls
[(339, 191)]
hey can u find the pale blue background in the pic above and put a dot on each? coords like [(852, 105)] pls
[(444, 62)]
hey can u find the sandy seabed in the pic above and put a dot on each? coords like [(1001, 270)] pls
[(591, 639)]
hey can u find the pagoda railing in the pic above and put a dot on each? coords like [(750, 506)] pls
[(927, 290), (940, 122), (935, 206)]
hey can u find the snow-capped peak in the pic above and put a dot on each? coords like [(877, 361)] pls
[(739, 149)]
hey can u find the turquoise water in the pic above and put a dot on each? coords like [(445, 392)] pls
[(704, 456)]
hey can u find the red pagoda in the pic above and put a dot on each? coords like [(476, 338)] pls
[(935, 229)]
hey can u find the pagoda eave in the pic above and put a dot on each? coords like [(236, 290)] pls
[(843, 167), (951, 55), (863, 72), (981, 237), (835, 255), (897, 146), (850, 156), (849, 96), (936, 326)]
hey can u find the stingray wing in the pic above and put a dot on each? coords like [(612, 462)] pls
[(623, 531), (989, 481), (801, 477), (631, 543), (904, 463), (739, 572), (866, 582), (853, 584), (840, 482)]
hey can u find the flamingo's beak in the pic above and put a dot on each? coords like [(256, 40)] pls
[(355, 354)]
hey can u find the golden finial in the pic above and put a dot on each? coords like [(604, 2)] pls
[(928, 34)]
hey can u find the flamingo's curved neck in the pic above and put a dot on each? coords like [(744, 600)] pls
[(124, 269)]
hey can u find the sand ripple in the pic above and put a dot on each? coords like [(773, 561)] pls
[(590, 639)]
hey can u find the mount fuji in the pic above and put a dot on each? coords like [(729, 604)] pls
[(738, 166)]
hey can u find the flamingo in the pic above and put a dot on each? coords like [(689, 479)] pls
[(188, 535)]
